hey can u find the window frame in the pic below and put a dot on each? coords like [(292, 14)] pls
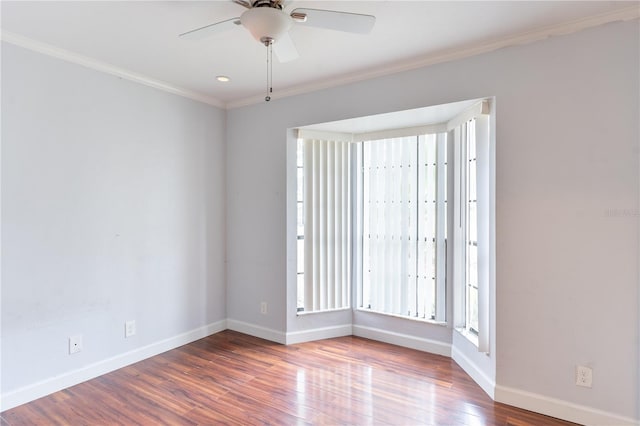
[(476, 332)]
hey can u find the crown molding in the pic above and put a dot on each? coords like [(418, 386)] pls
[(570, 27), (96, 65)]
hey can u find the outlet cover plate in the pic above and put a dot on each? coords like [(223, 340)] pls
[(129, 328), (584, 376), (75, 344)]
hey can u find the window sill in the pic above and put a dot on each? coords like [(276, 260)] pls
[(471, 337), (306, 313), (422, 320)]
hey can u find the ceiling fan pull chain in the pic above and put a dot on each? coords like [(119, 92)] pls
[(270, 69), (268, 43)]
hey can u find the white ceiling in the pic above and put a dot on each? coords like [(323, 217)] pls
[(141, 38), (425, 116)]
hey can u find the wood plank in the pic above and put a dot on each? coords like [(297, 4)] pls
[(234, 379)]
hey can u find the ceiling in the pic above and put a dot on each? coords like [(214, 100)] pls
[(140, 39), (425, 116)]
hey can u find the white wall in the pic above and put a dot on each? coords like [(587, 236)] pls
[(567, 156), (567, 262), (112, 210)]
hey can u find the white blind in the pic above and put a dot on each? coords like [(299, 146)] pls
[(404, 226), (390, 225), (327, 224)]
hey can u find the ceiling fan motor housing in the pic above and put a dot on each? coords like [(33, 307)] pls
[(275, 4)]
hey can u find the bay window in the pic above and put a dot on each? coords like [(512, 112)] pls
[(373, 212)]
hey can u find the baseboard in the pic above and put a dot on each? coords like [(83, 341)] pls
[(413, 342), (516, 397), (561, 409), (478, 376), (257, 331), (38, 390), (318, 334)]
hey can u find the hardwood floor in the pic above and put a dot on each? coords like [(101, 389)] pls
[(232, 378)]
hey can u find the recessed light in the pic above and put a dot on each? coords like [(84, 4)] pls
[(223, 78)]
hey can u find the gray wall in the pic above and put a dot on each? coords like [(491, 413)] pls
[(567, 187), (112, 210)]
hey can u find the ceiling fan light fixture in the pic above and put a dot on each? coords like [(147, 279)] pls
[(266, 23)]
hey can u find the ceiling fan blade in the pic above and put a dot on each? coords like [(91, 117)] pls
[(207, 30), (243, 3), (285, 49), (333, 20)]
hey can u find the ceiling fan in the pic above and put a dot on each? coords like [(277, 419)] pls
[(269, 24)]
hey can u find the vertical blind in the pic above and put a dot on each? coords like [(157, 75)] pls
[(403, 213), (327, 223), (390, 225)]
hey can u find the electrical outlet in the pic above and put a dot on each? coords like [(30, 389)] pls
[(129, 328), (584, 376), (263, 308), (75, 344)]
